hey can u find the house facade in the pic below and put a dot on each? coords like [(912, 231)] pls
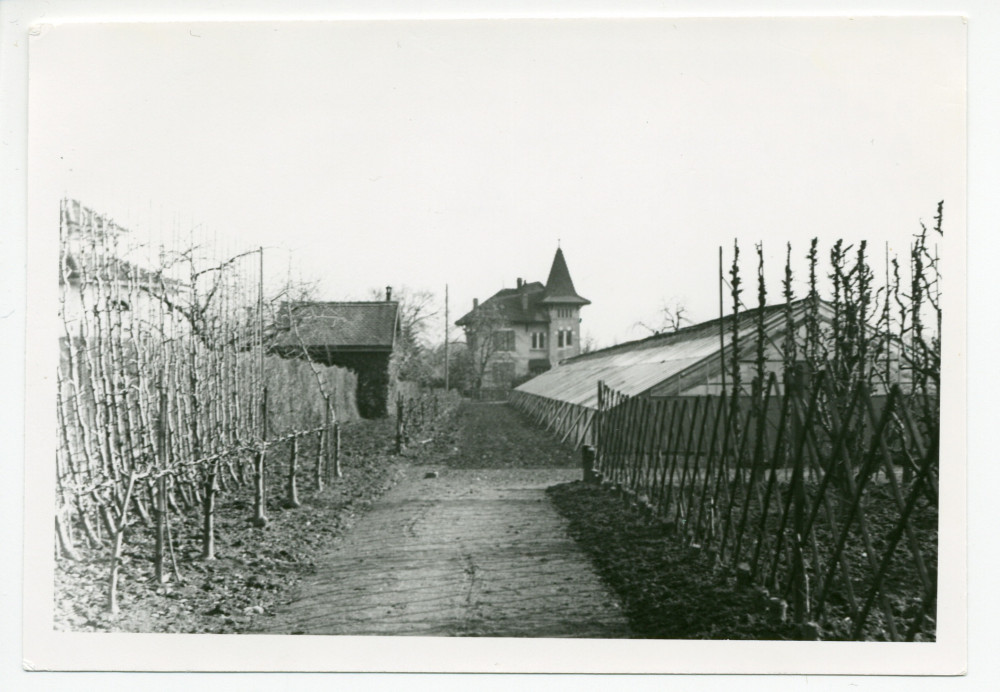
[(526, 330)]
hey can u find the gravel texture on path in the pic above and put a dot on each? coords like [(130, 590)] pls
[(467, 546)]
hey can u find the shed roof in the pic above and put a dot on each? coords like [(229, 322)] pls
[(637, 366), (337, 325)]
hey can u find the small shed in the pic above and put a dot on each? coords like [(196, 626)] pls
[(360, 336)]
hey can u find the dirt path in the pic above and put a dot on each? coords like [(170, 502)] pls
[(473, 551)]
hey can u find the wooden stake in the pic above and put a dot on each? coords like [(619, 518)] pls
[(260, 494), (446, 327), (320, 454), (293, 456), (336, 451), (399, 424), (65, 540), (116, 551), (330, 442), (161, 483)]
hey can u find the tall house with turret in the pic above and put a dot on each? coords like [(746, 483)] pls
[(526, 330)]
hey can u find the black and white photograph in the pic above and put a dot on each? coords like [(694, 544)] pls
[(497, 345)]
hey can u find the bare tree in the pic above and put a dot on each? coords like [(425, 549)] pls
[(197, 302), (671, 317), (417, 309), (486, 335), (588, 344)]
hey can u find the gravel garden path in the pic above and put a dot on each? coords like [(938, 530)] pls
[(469, 546)]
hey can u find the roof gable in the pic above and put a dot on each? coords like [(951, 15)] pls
[(516, 305), (530, 302)]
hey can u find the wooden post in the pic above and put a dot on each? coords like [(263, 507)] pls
[(399, 424), (208, 506), (337, 472), (161, 528), (293, 458), (65, 538), (327, 432), (446, 326), (116, 550), (598, 423), (170, 540), (320, 444), (589, 454), (260, 496), (161, 484)]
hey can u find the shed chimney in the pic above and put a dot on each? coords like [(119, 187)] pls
[(475, 303), (520, 283), (388, 293)]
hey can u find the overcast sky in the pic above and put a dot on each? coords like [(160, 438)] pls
[(425, 153)]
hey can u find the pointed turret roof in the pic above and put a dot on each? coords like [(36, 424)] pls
[(559, 287)]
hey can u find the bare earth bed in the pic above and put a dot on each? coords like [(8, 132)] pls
[(671, 591), (667, 591)]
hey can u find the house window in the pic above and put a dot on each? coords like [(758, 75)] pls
[(565, 337), (569, 337), (505, 340), (538, 340), (562, 338)]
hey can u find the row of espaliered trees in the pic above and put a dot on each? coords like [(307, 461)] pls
[(879, 334), (165, 395), (815, 475), (865, 341)]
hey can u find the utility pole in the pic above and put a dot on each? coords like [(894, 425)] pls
[(446, 337), (260, 315)]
